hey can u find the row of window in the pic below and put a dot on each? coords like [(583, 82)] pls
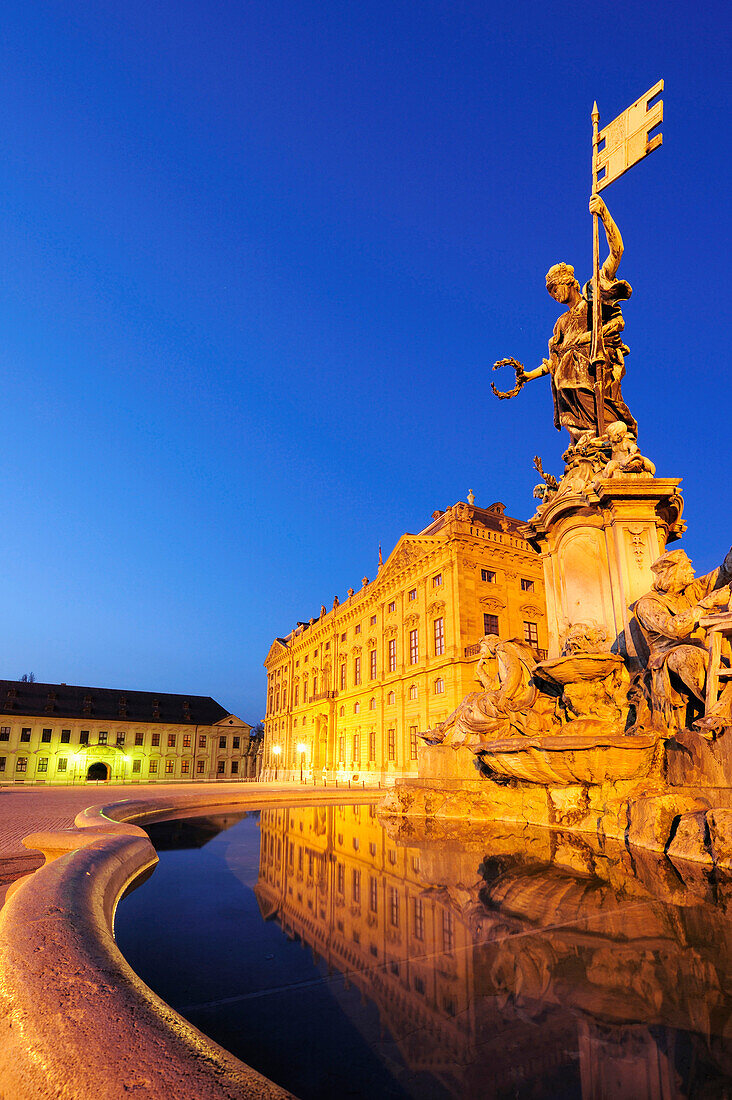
[(489, 575), (120, 738), (491, 625), (62, 763), (438, 688), (391, 747)]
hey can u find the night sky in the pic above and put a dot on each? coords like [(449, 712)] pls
[(258, 260)]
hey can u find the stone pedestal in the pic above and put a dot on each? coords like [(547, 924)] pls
[(597, 548)]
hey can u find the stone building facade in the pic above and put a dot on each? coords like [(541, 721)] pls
[(349, 692), (59, 734)]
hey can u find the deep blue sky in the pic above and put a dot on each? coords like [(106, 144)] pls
[(258, 259)]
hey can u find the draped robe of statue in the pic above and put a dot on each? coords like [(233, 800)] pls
[(669, 625), (571, 371)]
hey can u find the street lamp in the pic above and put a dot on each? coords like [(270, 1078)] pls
[(302, 749), (276, 750)]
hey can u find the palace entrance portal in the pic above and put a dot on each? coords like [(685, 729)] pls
[(97, 771)]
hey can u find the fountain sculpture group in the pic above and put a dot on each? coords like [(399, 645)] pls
[(624, 731)]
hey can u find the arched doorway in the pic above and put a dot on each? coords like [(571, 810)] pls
[(97, 771)]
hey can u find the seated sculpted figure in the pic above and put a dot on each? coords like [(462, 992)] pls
[(669, 618), (509, 705)]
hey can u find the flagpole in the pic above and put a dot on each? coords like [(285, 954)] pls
[(597, 351)]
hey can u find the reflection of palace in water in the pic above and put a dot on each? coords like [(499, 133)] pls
[(510, 963)]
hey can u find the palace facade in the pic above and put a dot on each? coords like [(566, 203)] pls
[(349, 691), (59, 734)]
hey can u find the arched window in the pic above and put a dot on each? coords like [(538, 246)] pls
[(413, 691), (342, 711), (439, 686), (356, 708), (372, 704), (391, 698)]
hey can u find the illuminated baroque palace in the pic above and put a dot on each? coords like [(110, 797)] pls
[(349, 692)]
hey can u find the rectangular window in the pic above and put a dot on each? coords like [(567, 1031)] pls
[(372, 620), (437, 581), (356, 887), (315, 686), (221, 767), (391, 744), (394, 906), (46, 737), (4, 733), (392, 654), (343, 678), (340, 878), (357, 749), (392, 606), (412, 742), (120, 740), (372, 664), (65, 737), (413, 646), (373, 894), (296, 700), (21, 764), (531, 633), (185, 766), (527, 585), (83, 737), (103, 735), (25, 733), (171, 740), (202, 741), (343, 636), (61, 764), (2, 763), (412, 594), (169, 767), (487, 575), (222, 742), (139, 739), (341, 750), (186, 740), (234, 767), (357, 629), (200, 766), (136, 767), (448, 930), (155, 740), (418, 919), (356, 670), (235, 742), (490, 624), (372, 745), (439, 637), (153, 767), (43, 764)]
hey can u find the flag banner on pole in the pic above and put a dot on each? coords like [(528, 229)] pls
[(625, 141)]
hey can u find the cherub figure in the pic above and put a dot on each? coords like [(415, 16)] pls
[(626, 457)]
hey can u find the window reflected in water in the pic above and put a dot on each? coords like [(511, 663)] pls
[(343, 957)]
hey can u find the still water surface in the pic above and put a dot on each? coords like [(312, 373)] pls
[(344, 958)]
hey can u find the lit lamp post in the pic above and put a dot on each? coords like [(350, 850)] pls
[(302, 749), (276, 750)]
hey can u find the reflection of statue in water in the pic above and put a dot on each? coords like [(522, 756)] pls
[(509, 705), (569, 363), (669, 617)]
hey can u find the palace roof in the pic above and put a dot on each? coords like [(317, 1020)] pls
[(55, 701)]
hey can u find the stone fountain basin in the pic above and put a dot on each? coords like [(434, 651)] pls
[(589, 756)]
